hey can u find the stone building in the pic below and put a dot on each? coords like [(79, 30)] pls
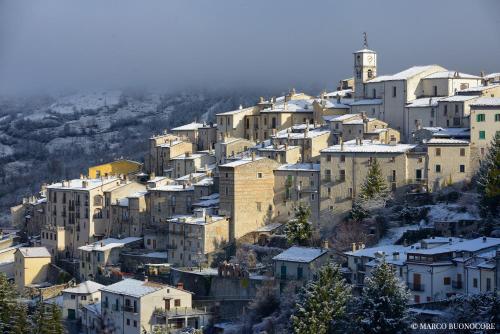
[(228, 147), (247, 193), (310, 138), (162, 149), (485, 125), (75, 214)]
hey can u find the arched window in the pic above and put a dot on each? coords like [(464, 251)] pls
[(370, 74)]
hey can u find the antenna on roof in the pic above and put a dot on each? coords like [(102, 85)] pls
[(365, 40)]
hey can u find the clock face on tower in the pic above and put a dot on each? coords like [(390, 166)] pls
[(370, 59)]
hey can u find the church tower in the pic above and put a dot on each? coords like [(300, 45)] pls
[(365, 68)]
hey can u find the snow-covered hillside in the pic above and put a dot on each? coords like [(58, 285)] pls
[(47, 138)]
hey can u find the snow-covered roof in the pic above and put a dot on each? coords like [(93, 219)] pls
[(234, 112), (404, 75), (486, 102), (207, 181), (300, 254), (451, 75), (95, 308), (492, 75), (366, 102), (372, 252), (241, 162), (300, 167), (447, 141), (273, 148), (340, 118), (477, 89), (78, 184), (108, 243), (138, 194), (358, 121), (34, 252), (86, 287), (189, 127), (333, 104), (365, 50), (190, 176), (448, 132), (303, 105), (457, 98), (473, 245), (269, 227), (174, 187), (189, 156), (336, 93), (195, 219), (169, 143), (134, 288), (424, 102), (300, 135), (368, 146)]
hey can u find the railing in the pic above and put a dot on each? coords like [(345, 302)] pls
[(129, 308), (456, 284), (416, 287)]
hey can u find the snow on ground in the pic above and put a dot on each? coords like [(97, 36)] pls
[(85, 101), (5, 150), (450, 212), (395, 233)]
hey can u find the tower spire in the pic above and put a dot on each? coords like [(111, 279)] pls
[(365, 40)]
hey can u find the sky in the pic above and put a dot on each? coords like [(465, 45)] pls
[(199, 44)]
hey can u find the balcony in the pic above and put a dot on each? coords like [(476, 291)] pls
[(416, 287), (129, 308), (456, 284)]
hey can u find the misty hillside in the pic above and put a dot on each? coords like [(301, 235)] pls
[(44, 138)]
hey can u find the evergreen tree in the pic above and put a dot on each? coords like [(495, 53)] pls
[(7, 302), (374, 185), (383, 304), (42, 320), (299, 231), (20, 323), (56, 321), (358, 211), (322, 303), (488, 180)]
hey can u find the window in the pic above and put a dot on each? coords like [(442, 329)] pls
[(393, 91), (135, 323), (73, 296), (259, 175), (433, 112), (329, 158), (456, 121), (300, 272), (436, 92), (445, 110), (456, 109), (328, 175), (438, 168), (462, 152), (342, 158), (497, 117), (462, 168), (342, 175), (83, 298), (446, 281), (128, 322), (393, 176), (488, 284), (482, 134), (177, 302), (438, 152), (474, 282), (370, 74), (374, 93), (480, 117)]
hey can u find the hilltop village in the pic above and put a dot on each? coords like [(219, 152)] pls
[(187, 238)]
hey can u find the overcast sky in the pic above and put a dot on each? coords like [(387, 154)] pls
[(176, 44)]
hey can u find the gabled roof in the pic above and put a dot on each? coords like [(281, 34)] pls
[(34, 252), (486, 102), (300, 254), (406, 74), (86, 287), (189, 127), (451, 75), (133, 287)]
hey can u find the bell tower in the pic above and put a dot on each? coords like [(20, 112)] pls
[(365, 68)]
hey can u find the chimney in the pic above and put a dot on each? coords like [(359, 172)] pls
[(152, 175), (145, 279), (241, 107), (484, 239), (180, 286), (353, 246), (338, 98), (325, 244), (341, 142), (188, 154), (252, 155), (84, 184)]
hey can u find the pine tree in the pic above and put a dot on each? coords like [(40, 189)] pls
[(298, 231), (383, 304), (488, 180), (7, 302), (42, 320), (56, 324), (21, 323), (321, 303), (358, 211), (374, 185)]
